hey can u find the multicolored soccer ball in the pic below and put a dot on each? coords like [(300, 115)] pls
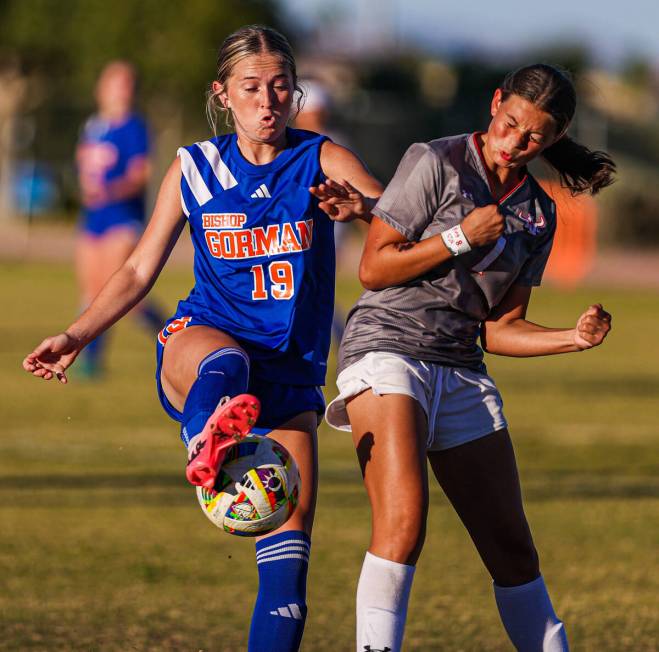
[(256, 489)]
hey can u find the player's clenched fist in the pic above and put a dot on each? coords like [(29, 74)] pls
[(483, 225), (592, 327), (52, 357)]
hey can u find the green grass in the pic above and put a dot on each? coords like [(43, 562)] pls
[(102, 546)]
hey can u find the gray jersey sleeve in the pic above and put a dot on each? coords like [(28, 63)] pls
[(534, 267), (411, 199)]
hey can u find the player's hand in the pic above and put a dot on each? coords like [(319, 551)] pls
[(341, 201), (592, 327), (483, 225), (93, 196), (52, 357)]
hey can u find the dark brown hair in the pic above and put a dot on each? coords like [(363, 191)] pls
[(552, 91)]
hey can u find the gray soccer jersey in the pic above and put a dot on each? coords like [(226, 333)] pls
[(437, 317)]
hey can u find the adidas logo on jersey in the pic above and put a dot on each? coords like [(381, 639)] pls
[(262, 192), (291, 611)]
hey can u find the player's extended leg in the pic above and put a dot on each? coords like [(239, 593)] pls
[(202, 367), (97, 257), (150, 315), (282, 557), (389, 433), (480, 479), (90, 275)]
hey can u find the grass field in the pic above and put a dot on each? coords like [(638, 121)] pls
[(102, 546)]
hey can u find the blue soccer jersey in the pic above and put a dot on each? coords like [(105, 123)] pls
[(264, 254), (104, 153)]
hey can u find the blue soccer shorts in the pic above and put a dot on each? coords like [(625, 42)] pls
[(280, 402)]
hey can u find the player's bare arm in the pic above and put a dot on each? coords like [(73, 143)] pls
[(390, 259), (350, 191), (129, 284), (507, 331)]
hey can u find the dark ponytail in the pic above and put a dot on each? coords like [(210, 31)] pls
[(580, 169), (552, 91)]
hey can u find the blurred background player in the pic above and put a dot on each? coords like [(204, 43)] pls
[(113, 172), (315, 111)]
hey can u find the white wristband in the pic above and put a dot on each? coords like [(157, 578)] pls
[(455, 240)]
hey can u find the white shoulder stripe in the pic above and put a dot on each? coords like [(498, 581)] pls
[(221, 171), (197, 185)]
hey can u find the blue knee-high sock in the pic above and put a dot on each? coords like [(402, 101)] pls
[(528, 616), (151, 316), (280, 609), (93, 354), (224, 372)]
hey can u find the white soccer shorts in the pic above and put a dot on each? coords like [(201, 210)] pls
[(460, 404)]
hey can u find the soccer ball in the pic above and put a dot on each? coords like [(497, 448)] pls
[(256, 489)]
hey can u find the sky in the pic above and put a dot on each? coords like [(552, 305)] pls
[(614, 30)]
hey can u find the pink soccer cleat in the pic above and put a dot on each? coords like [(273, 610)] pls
[(231, 422)]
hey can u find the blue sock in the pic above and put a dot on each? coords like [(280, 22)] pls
[(280, 609), (92, 358), (224, 372), (528, 616), (151, 316)]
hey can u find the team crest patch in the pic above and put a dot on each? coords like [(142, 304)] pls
[(531, 224), (171, 328)]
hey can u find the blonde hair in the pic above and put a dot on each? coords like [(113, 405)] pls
[(245, 42)]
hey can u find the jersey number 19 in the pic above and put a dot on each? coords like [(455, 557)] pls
[(282, 284)]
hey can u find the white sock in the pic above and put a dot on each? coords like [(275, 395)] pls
[(382, 595)]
